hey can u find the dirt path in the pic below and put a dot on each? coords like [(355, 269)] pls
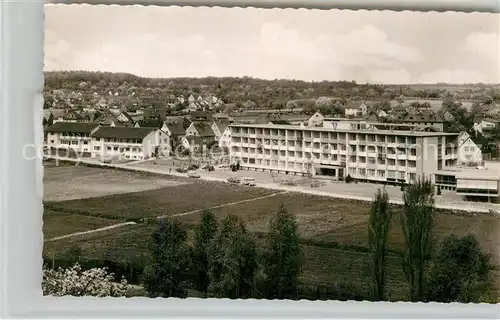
[(223, 205), (91, 231)]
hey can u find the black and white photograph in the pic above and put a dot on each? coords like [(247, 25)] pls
[(276, 154)]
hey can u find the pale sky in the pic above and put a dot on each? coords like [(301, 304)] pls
[(365, 46)]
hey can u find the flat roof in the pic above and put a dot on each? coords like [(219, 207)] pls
[(471, 173), (393, 132)]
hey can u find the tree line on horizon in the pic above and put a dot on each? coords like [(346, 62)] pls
[(260, 92)]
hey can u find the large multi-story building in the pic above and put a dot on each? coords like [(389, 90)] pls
[(379, 152), (73, 136), (129, 143)]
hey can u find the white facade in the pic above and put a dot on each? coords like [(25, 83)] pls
[(315, 120), (73, 136), (79, 142), (122, 118), (468, 152), (484, 125), (352, 112), (377, 155), (192, 131), (357, 111), (381, 114), (225, 138), (216, 130), (142, 146)]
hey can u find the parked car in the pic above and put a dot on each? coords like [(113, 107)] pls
[(193, 174), (233, 180), (223, 165), (248, 181)]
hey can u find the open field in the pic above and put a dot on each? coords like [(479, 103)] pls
[(334, 230), (57, 224), (159, 202), (79, 182), (326, 219)]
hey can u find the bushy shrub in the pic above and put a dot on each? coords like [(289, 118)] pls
[(348, 179), (75, 281), (459, 272)]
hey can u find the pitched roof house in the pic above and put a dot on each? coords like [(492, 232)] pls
[(48, 118), (200, 116), (149, 123), (201, 129), (355, 109), (315, 120), (175, 130), (469, 153), (129, 142), (219, 126)]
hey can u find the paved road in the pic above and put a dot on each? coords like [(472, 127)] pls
[(333, 189)]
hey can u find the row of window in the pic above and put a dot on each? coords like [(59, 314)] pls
[(357, 172), (121, 149), (289, 153), (330, 136), (120, 140), (470, 149), (323, 134), (333, 157), (70, 142), (336, 146)]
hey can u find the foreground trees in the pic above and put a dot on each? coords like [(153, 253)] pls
[(378, 234), (167, 274), (417, 223), (233, 261), (205, 233), (282, 256), (459, 271)]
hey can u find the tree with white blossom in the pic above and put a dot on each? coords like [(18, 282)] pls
[(75, 281)]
